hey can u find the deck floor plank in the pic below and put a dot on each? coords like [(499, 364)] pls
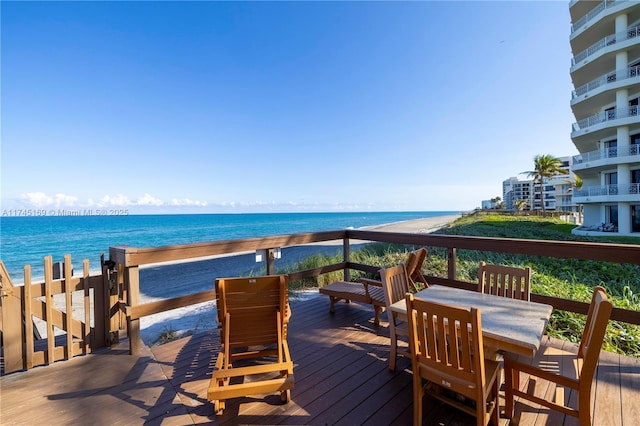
[(341, 373), (607, 387)]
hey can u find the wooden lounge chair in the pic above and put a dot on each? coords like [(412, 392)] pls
[(451, 366), (577, 374), (369, 291), (504, 281), (254, 314), (395, 285)]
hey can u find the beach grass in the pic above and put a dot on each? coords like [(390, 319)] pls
[(563, 278)]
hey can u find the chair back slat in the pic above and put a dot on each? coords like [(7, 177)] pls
[(505, 281), (448, 342), (395, 283), (594, 331), (252, 304)]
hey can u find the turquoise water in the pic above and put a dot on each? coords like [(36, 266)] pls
[(27, 240)]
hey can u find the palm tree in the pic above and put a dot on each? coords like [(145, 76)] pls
[(495, 202), (546, 166), (521, 205)]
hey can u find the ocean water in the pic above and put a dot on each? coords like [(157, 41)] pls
[(27, 240)]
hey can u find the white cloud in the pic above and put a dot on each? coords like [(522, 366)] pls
[(37, 199), (187, 202), (149, 200), (63, 200), (118, 201), (40, 199)]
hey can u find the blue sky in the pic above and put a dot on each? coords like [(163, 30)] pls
[(167, 107)]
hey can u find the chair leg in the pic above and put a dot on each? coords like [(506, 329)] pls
[(584, 407), (511, 381), (377, 311), (393, 352), (495, 416), (218, 407), (418, 393), (332, 308)]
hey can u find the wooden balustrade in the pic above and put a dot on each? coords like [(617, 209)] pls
[(24, 304), (116, 293)]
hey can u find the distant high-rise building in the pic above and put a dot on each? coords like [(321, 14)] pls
[(605, 69), (555, 192)]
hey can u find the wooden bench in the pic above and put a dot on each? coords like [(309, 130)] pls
[(367, 291)]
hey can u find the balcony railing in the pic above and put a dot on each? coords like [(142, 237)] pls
[(602, 117), (607, 41), (606, 153), (593, 13), (606, 190), (609, 78)]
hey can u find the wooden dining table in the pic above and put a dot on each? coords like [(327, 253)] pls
[(510, 325)]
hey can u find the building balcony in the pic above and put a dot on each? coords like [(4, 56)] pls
[(595, 14), (603, 193), (624, 40), (601, 91), (606, 158), (605, 119)]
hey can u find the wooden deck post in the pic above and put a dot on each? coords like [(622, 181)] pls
[(132, 285), (452, 260), (271, 269), (346, 253)]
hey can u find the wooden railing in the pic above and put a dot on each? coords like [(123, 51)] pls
[(113, 296), (130, 259)]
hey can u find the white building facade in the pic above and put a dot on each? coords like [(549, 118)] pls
[(605, 70)]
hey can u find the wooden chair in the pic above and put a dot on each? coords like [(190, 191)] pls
[(414, 263), (415, 260), (583, 364), (504, 281), (254, 314), (395, 285), (451, 365), (370, 291)]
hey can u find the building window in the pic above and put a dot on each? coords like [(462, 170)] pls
[(635, 182), (611, 148), (635, 218), (612, 214)]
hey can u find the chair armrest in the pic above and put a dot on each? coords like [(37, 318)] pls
[(368, 281)]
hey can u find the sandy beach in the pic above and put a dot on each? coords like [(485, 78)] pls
[(164, 281)]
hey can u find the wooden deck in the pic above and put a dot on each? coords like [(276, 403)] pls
[(340, 371)]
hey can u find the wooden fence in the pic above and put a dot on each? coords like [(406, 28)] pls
[(51, 304), (114, 304)]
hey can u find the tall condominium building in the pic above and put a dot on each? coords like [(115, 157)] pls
[(605, 69)]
